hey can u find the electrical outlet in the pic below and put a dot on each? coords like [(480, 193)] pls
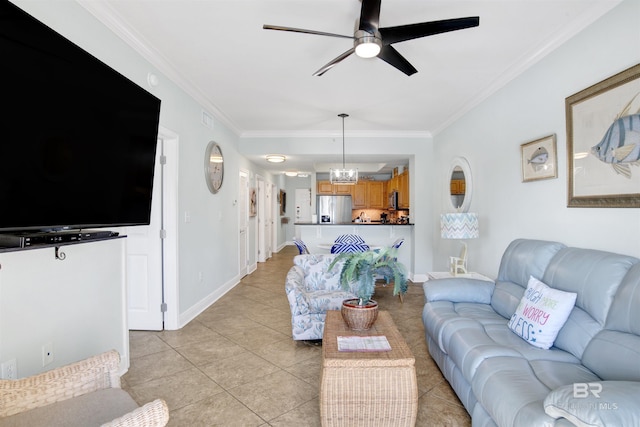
[(47, 354), (10, 370)]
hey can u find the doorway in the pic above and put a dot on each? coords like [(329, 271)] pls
[(151, 250), (243, 223)]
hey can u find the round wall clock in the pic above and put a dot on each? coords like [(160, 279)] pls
[(213, 167)]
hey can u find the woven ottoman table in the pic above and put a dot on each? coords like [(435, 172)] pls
[(377, 388)]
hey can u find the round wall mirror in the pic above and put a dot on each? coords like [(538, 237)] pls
[(459, 184)]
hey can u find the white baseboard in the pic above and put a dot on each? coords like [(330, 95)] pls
[(206, 302)]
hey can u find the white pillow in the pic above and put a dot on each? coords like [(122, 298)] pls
[(541, 313)]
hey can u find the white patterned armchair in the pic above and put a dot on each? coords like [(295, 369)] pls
[(312, 290)]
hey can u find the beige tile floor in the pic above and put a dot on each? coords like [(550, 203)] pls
[(236, 364)]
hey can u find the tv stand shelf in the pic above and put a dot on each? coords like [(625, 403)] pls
[(14, 243)]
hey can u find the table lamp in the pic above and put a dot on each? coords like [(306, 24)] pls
[(459, 226)]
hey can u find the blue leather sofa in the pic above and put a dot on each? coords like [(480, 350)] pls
[(591, 374)]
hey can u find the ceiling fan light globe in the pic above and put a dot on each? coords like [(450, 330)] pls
[(367, 45)]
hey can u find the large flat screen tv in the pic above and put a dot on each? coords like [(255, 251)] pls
[(77, 139)]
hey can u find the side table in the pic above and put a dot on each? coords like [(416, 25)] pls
[(447, 275), (369, 388)]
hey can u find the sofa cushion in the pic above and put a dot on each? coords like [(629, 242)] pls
[(524, 258), (595, 276), (541, 313), (606, 403), (613, 353), (512, 390), (316, 271), (458, 289), (88, 410), (521, 260)]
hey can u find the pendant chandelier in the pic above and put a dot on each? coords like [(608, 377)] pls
[(344, 175)]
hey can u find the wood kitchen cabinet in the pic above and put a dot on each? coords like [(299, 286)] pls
[(377, 195), (364, 194), (325, 187), (403, 190), (359, 195), (457, 186), (342, 189), (369, 195)]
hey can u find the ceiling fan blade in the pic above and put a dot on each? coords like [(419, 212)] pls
[(333, 63), (392, 57), (300, 30), (369, 16), (413, 31)]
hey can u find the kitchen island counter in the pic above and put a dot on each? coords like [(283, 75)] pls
[(320, 237), (351, 224)]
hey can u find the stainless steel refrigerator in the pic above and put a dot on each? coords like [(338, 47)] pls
[(333, 209)]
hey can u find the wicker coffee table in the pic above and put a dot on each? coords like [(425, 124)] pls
[(367, 388)]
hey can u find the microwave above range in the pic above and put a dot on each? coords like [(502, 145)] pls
[(393, 200)]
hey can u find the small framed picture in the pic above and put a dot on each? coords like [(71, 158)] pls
[(253, 202), (539, 159)]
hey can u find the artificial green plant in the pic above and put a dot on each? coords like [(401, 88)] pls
[(359, 272)]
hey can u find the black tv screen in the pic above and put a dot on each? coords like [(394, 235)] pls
[(77, 140)]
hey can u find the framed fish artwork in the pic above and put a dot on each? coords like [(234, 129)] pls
[(539, 159), (603, 143)]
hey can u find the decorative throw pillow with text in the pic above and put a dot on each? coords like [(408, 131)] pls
[(541, 313)]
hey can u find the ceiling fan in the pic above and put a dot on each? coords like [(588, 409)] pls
[(369, 40)]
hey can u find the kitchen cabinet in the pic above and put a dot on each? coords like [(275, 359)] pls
[(342, 189), (325, 187), (457, 186), (403, 190), (359, 195), (369, 195), (364, 194), (377, 196)]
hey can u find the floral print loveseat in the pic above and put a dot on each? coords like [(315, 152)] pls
[(312, 290)]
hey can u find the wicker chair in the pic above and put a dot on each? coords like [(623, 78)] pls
[(85, 393)]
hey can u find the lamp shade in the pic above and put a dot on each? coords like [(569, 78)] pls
[(459, 226)]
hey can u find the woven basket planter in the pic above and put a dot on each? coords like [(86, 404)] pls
[(359, 317)]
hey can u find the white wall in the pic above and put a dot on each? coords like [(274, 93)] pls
[(530, 107), (208, 240), (76, 304)]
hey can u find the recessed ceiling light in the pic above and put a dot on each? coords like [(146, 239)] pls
[(276, 158), (291, 173)]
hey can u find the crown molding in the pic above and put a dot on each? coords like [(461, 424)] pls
[(335, 134), (104, 13), (533, 57)]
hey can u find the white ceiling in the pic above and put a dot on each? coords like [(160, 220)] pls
[(260, 84)]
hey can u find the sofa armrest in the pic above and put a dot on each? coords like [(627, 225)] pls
[(153, 414), (294, 279), (459, 289), (94, 373)]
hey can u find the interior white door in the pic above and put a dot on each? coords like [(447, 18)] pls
[(268, 223), (275, 215), (262, 250), (303, 204), (243, 222), (144, 262)]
